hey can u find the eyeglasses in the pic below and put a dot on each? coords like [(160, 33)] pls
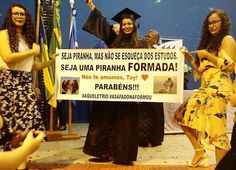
[(213, 22), (20, 14)]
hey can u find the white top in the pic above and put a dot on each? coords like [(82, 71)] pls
[(25, 64)]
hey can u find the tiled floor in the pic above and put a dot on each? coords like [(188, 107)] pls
[(175, 150)]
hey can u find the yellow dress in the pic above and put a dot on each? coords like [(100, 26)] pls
[(206, 109)]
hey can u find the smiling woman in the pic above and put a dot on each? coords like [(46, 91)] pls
[(203, 116), (18, 106), (18, 52), (105, 138)]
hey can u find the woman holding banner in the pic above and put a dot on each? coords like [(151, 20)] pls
[(203, 116), (113, 128)]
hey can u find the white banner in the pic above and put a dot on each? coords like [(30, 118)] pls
[(140, 75)]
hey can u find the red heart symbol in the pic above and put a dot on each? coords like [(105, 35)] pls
[(144, 76)]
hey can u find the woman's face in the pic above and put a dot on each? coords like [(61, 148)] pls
[(214, 24), (127, 26), (18, 16)]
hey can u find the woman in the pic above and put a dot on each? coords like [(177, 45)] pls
[(167, 86), (203, 117), (18, 98), (75, 87), (113, 128)]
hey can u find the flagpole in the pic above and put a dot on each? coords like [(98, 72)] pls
[(51, 121), (70, 103), (35, 73), (68, 136), (37, 21), (51, 134), (71, 4), (71, 17)]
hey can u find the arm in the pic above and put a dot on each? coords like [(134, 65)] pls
[(196, 72), (227, 50), (227, 54), (189, 57), (90, 4), (38, 65), (229, 46), (11, 159), (12, 57), (97, 25)]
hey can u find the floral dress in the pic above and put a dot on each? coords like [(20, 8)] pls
[(206, 109), (18, 102)]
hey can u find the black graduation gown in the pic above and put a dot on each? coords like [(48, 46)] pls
[(151, 124), (113, 126)]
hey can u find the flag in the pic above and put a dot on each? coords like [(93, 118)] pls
[(49, 89), (73, 39), (55, 42)]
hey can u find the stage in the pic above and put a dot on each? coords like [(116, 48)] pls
[(174, 153)]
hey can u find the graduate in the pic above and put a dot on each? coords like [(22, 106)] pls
[(113, 128)]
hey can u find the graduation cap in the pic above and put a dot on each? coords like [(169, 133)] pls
[(125, 13)]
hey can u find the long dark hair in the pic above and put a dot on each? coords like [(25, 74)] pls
[(208, 41), (28, 28), (121, 37), (75, 86)]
